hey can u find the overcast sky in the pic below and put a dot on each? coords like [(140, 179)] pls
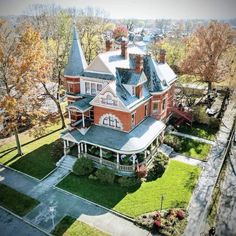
[(145, 9)]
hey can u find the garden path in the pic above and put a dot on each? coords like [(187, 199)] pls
[(65, 203), (193, 137), (187, 160)]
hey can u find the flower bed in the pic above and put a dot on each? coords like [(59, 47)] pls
[(166, 222)]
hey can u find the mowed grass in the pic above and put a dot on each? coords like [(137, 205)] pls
[(176, 185), (16, 202), (188, 147), (36, 160), (69, 226), (199, 130)]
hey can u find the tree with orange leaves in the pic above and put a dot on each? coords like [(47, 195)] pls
[(205, 53), (20, 54)]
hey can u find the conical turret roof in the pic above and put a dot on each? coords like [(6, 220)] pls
[(76, 61)]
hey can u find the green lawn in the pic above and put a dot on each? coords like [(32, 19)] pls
[(36, 160), (176, 185), (189, 147), (199, 130), (16, 202), (69, 226)]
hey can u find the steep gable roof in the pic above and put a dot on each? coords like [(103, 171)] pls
[(76, 62), (130, 77)]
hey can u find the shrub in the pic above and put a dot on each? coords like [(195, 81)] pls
[(57, 150), (214, 122), (83, 166), (180, 214), (156, 171), (93, 177), (105, 175), (141, 171), (128, 182), (173, 141)]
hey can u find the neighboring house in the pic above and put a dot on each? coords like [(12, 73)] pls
[(117, 105)]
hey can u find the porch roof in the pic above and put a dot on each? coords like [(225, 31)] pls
[(82, 104), (135, 141)]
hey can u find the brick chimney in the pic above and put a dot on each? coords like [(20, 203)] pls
[(162, 56), (124, 52), (138, 63), (108, 45)]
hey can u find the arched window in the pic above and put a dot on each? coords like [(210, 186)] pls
[(111, 121)]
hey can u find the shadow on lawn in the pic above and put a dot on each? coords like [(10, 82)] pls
[(24, 144), (63, 225), (37, 163)]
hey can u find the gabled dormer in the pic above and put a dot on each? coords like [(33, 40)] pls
[(132, 80), (108, 98)]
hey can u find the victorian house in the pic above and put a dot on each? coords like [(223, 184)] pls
[(117, 105)]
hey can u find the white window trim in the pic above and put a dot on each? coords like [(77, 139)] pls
[(107, 115)]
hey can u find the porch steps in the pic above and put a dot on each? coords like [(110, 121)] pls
[(165, 149), (67, 162)]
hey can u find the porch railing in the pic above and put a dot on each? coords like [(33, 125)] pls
[(111, 164)]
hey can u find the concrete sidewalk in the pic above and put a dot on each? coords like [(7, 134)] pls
[(192, 137), (187, 160), (66, 204)]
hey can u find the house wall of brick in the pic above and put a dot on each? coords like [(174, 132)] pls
[(72, 85), (161, 113), (124, 117)]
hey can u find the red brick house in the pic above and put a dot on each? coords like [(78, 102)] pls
[(117, 105)]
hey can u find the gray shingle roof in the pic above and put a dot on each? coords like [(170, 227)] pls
[(135, 141), (97, 75), (76, 62), (82, 104), (129, 76)]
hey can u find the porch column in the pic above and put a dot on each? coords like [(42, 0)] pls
[(83, 120), (82, 147), (100, 156), (65, 148), (157, 143), (67, 143), (117, 160), (134, 156), (78, 150), (69, 115), (145, 154), (85, 148)]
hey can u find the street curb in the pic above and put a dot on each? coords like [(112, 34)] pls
[(26, 221), (12, 169), (96, 204)]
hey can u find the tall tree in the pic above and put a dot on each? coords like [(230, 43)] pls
[(55, 26), (20, 52), (205, 53), (175, 49), (92, 27)]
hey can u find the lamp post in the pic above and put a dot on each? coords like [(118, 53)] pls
[(52, 210), (162, 199)]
